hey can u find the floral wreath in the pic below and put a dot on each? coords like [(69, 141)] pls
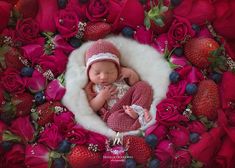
[(195, 122)]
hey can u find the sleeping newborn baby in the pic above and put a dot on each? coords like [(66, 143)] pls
[(115, 92)]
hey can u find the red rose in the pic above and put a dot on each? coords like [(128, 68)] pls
[(197, 127), (182, 159), (209, 143), (32, 52), (157, 129), (225, 156), (168, 113), (177, 89), (179, 136), (5, 9), (196, 11), (143, 35), (23, 128), (64, 121), (12, 81), (165, 151), (45, 16), (27, 30), (97, 139), (97, 10), (51, 136), (67, 23), (180, 30), (56, 62), (15, 157), (77, 135)]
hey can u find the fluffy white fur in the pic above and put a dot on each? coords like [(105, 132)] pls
[(146, 61)]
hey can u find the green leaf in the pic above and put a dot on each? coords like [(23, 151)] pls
[(163, 9), (147, 22), (8, 136), (153, 13), (159, 22), (173, 66), (61, 79)]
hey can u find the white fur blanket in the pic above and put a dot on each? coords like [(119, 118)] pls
[(146, 61)]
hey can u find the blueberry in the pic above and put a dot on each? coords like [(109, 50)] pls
[(191, 89), (143, 1), (127, 32), (59, 163), (155, 163), (179, 51), (174, 77), (39, 97), (216, 77), (130, 163), (175, 2), (64, 146), (196, 28), (83, 1), (6, 145), (75, 42), (27, 71), (194, 137), (62, 3), (151, 140)]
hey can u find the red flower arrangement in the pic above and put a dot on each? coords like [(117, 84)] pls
[(34, 50)]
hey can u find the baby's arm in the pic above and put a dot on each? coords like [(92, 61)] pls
[(98, 101), (130, 74)]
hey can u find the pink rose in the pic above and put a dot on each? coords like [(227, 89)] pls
[(23, 128), (225, 156), (179, 136), (45, 16), (206, 148), (143, 35), (5, 9), (161, 43), (61, 44), (204, 32), (54, 91), (190, 74), (177, 89), (182, 159), (64, 121), (12, 81), (50, 136), (77, 135), (37, 82), (157, 129), (165, 151), (196, 11), (67, 23), (180, 61), (97, 139), (97, 10), (179, 31), (15, 157), (27, 30), (197, 127), (36, 155), (168, 113), (56, 62), (32, 52)]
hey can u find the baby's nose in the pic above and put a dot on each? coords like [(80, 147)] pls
[(103, 76)]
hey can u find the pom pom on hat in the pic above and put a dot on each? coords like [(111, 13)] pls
[(102, 50)]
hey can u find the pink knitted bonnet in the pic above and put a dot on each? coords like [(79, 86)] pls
[(102, 50)]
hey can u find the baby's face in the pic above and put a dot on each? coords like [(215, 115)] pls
[(103, 73)]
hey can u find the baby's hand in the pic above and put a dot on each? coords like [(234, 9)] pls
[(107, 92), (130, 74)]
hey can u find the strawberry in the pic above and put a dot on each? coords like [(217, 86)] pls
[(159, 18), (28, 8), (206, 101), (138, 149), (46, 112), (22, 103), (97, 30), (12, 56), (81, 157), (199, 50)]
